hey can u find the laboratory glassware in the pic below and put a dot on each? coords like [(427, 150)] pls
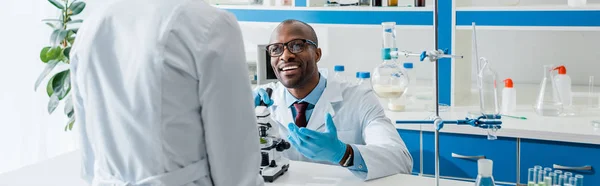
[(549, 178), (578, 180), (540, 178), (484, 176), (389, 79), (339, 73), (364, 80), (562, 179), (546, 104), (531, 177), (488, 92)]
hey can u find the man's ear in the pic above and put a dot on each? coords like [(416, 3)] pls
[(318, 51)]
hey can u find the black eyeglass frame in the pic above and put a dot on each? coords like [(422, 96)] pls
[(285, 45)]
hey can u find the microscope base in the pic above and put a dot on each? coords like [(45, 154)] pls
[(270, 174)]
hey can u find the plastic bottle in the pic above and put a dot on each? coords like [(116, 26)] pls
[(365, 80), (563, 85), (484, 170), (339, 73), (509, 97)]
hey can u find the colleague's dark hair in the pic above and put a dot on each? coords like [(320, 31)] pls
[(313, 34)]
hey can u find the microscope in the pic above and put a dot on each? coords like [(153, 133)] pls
[(273, 164)]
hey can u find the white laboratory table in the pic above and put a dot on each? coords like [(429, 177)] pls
[(575, 129), (64, 171)]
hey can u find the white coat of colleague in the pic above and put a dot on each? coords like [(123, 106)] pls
[(155, 84), (328, 121)]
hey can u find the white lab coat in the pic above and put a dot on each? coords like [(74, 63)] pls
[(162, 96), (359, 119)]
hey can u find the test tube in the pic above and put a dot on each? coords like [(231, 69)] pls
[(578, 180), (548, 170), (550, 178), (568, 175), (531, 177), (561, 179), (540, 178), (554, 178), (558, 172)]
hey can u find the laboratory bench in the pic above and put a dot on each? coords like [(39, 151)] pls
[(571, 144), (64, 170)]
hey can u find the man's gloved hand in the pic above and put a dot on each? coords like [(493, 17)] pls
[(261, 94), (317, 145)]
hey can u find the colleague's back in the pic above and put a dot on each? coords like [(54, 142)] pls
[(162, 97)]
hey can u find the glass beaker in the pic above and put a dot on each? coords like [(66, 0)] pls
[(389, 79), (547, 104), (488, 93)]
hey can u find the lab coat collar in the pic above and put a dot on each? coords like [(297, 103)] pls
[(330, 97)]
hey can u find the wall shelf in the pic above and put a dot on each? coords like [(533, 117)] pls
[(334, 15), (530, 16)]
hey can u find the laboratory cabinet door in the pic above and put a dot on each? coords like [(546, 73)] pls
[(459, 154), (568, 155), (412, 139)]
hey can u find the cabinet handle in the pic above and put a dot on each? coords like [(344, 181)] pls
[(454, 155), (584, 168)]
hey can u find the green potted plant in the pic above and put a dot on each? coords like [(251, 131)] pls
[(62, 38)]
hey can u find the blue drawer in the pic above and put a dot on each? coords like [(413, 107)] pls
[(548, 153), (502, 151), (412, 139)]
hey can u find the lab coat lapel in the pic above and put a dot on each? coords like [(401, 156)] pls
[(331, 95), (283, 115)]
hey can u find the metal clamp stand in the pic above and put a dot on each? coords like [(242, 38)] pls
[(486, 122)]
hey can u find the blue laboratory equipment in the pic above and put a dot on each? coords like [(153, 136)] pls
[(488, 122)]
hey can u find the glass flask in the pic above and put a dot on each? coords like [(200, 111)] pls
[(484, 173), (547, 104), (389, 79), (488, 92)]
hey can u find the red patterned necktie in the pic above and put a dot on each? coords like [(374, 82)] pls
[(301, 114)]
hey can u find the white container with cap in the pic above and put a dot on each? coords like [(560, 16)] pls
[(364, 80), (509, 97), (563, 85), (484, 170), (339, 73)]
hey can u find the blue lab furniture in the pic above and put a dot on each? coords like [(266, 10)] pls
[(512, 156)]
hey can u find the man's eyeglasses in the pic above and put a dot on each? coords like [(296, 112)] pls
[(294, 46)]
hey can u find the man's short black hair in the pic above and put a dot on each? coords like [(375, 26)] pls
[(313, 34)]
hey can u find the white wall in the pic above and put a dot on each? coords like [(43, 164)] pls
[(28, 134)]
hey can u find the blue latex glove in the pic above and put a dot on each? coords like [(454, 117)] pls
[(323, 146), (261, 94)]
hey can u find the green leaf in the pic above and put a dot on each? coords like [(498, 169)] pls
[(61, 36), (75, 21), (70, 123), (59, 85), (53, 103), (51, 25), (43, 55), (57, 4), (54, 36), (69, 105), (74, 30), (77, 7), (66, 52), (49, 66), (54, 53)]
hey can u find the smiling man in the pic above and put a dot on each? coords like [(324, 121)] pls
[(328, 121)]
